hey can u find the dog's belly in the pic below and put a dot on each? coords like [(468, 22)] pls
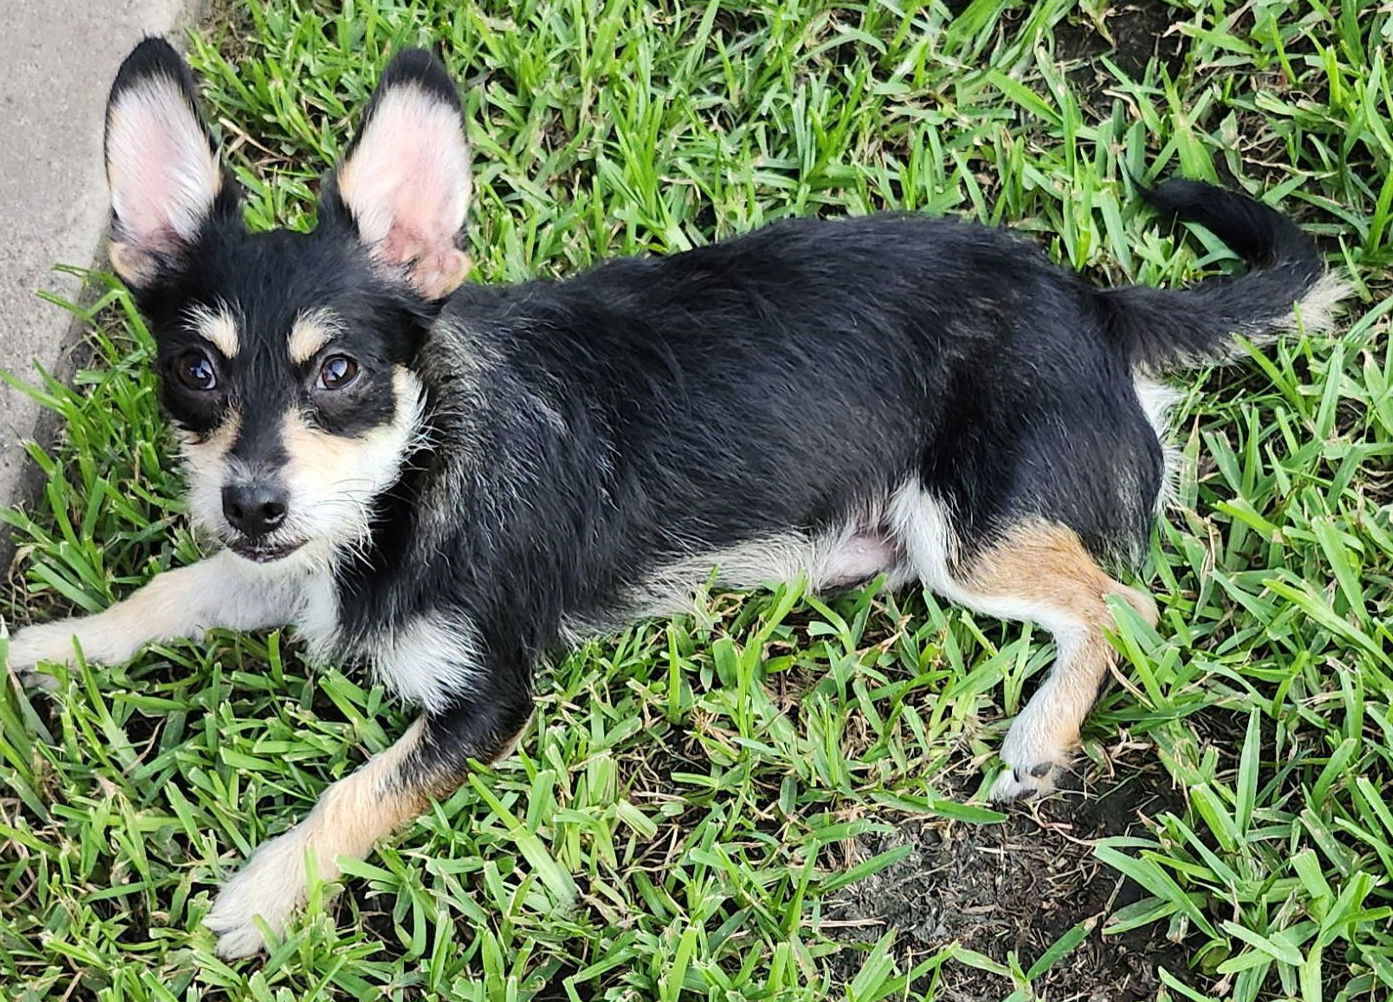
[(855, 552), (856, 557)]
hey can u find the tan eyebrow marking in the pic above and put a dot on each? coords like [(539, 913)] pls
[(311, 331), (217, 327)]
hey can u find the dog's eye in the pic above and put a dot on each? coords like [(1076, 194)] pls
[(195, 370), (337, 372)]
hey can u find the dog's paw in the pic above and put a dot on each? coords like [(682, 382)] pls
[(37, 680), (1036, 752), (1020, 782), (272, 885), (44, 643), (51, 642)]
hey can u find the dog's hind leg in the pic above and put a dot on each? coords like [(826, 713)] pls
[(429, 762), (1037, 571), (1041, 572)]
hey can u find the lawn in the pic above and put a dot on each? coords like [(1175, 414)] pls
[(779, 796)]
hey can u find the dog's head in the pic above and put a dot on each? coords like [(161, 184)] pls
[(285, 359)]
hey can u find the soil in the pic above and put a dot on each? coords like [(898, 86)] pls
[(1129, 34), (1016, 887)]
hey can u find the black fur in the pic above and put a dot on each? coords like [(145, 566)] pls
[(268, 279), (653, 408)]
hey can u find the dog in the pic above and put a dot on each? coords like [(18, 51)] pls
[(445, 481)]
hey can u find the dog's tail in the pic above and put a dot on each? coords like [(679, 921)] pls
[(1286, 289)]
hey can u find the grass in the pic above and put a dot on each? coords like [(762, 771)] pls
[(694, 796)]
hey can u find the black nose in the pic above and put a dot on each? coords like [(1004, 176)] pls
[(255, 509)]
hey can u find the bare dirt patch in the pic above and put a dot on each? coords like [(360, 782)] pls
[(1017, 887), (1130, 35)]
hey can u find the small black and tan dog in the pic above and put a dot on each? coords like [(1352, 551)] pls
[(445, 481)]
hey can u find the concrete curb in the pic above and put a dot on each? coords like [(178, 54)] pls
[(61, 56)]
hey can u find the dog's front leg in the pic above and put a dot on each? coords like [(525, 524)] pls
[(430, 761), (222, 591)]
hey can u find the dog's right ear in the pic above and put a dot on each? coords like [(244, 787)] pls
[(162, 166)]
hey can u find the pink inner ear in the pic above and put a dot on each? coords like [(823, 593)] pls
[(408, 239), (438, 274), (163, 175), (147, 189), (435, 265), (408, 186)]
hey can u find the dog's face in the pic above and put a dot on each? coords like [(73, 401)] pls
[(285, 359)]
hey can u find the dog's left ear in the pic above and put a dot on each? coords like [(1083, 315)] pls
[(405, 180)]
